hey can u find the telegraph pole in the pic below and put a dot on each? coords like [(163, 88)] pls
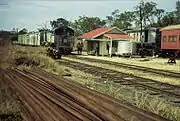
[(141, 22), (17, 33)]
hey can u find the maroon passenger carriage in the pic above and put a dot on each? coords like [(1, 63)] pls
[(170, 40)]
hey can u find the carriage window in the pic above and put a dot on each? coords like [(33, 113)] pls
[(175, 38), (164, 38), (172, 38)]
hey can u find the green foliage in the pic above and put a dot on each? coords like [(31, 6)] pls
[(59, 22), (85, 24), (150, 13), (152, 16), (120, 20), (170, 18), (178, 6)]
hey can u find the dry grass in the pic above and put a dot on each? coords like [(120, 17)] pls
[(33, 57), (139, 98), (148, 75), (9, 108), (3, 56)]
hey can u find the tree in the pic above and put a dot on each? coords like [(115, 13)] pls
[(150, 13), (109, 20), (59, 22), (178, 6), (126, 19), (112, 19), (85, 24), (178, 11), (168, 18), (159, 13), (120, 20)]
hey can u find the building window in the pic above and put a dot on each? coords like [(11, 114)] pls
[(114, 44), (164, 39), (172, 38)]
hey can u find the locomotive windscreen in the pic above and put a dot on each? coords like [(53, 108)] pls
[(64, 31)]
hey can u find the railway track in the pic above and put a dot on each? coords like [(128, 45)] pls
[(171, 92), (132, 67), (46, 97)]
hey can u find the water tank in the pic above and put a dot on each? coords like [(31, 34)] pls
[(126, 48)]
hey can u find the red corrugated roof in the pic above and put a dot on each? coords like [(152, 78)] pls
[(117, 36), (94, 33)]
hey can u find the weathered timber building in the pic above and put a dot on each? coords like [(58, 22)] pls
[(110, 41)]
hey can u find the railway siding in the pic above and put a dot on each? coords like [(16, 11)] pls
[(167, 91), (47, 97), (133, 67)]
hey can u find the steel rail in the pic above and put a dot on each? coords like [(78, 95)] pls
[(130, 66), (107, 99), (163, 88), (47, 97)]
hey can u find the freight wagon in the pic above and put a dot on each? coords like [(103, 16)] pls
[(35, 38), (31, 38)]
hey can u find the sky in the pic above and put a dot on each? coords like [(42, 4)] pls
[(32, 14)]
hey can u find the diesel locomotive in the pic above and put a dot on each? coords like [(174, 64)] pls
[(63, 42)]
